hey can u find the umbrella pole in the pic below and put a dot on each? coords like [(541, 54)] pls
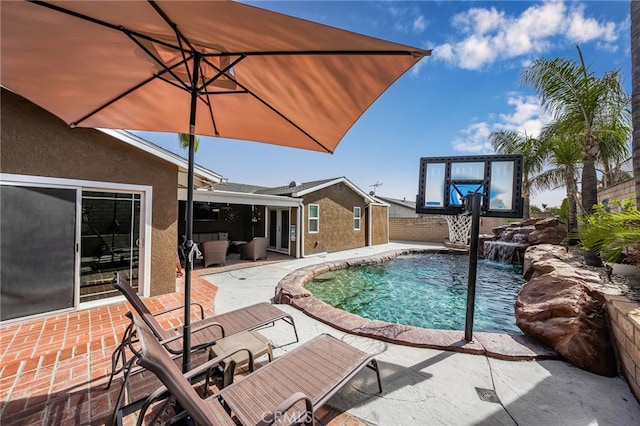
[(186, 331)]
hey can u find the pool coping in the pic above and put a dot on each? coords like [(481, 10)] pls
[(291, 290)]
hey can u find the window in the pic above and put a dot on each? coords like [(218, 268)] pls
[(205, 211), (356, 218), (314, 218)]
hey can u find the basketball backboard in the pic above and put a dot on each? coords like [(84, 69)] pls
[(445, 181)]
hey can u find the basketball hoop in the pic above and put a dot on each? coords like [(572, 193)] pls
[(459, 230)]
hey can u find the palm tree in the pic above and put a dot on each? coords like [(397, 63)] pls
[(635, 77), (563, 164), (184, 141), (512, 142), (582, 104)]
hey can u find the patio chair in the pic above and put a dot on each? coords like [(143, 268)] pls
[(214, 252), (255, 249), (138, 383), (291, 387), (204, 332)]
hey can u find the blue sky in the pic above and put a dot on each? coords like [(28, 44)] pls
[(449, 103)]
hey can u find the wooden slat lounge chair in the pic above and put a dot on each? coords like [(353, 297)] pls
[(204, 332), (290, 387)]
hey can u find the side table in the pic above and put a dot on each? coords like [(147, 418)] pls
[(252, 340)]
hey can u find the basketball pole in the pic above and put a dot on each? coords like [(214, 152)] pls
[(473, 200)]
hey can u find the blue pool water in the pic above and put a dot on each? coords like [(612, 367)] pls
[(425, 290)]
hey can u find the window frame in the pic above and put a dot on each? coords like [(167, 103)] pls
[(357, 219), (315, 219)]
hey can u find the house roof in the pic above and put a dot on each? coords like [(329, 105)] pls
[(294, 189), (402, 203), (231, 191), (202, 176)]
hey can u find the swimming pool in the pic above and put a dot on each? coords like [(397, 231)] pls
[(425, 290)]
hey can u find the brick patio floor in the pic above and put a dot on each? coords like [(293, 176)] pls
[(53, 370)]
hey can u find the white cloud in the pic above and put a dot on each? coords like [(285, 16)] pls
[(419, 24), (491, 35), (527, 117), (474, 139), (405, 19), (479, 21), (581, 29), (444, 52), (475, 52)]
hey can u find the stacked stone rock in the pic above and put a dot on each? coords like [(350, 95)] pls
[(509, 242), (564, 307)]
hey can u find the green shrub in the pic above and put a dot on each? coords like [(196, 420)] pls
[(563, 212), (612, 233)]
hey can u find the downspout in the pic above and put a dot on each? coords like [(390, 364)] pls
[(388, 225), (300, 231), (370, 226)]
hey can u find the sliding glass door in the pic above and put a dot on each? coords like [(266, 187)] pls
[(110, 242), (37, 252), (278, 228)]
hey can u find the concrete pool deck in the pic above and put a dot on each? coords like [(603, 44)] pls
[(425, 386)]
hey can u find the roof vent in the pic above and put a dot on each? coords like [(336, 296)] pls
[(293, 184)]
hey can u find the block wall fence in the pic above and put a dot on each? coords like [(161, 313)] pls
[(624, 315), (624, 322), (433, 228), (620, 191)]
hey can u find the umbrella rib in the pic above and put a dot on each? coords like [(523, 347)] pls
[(101, 23), (180, 38), (221, 72), (265, 103), (158, 61), (246, 90), (260, 53), (174, 27), (125, 93), (325, 53), (213, 119)]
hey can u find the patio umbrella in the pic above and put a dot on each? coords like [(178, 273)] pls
[(215, 68)]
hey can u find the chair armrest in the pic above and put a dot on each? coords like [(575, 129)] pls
[(207, 325), (193, 330), (271, 417), (180, 307), (194, 372), (217, 360)]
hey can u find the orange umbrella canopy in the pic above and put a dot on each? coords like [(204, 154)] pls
[(261, 75)]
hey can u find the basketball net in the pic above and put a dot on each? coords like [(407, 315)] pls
[(459, 228)]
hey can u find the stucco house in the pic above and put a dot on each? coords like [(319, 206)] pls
[(81, 204), (331, 215), (78, 205)]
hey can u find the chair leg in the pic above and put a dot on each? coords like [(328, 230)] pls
[(374, 366), (116, 419), (119, 353)]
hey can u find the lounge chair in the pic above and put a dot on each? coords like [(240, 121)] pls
[(204, 332), (255, 249), (138, 383), (290, 387), (214, 252)]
